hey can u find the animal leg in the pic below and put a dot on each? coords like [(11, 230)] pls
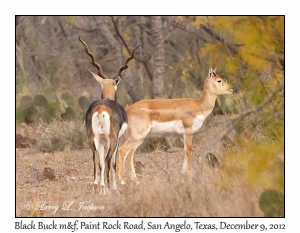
[(114, 166), (130, 160), (188, 146), (102, 167)]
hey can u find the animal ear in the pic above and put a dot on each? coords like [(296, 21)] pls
[(98, 78), (215, 70), (210, 72), (117, 80)]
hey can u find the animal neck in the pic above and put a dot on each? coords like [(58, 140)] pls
[(207, 101), (108, 95)]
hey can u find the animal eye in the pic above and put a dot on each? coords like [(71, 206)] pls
[(219, 81)]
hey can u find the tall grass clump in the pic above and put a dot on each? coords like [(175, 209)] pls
[(60, 135)]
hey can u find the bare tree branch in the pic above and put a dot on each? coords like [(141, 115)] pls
[(143, 61), (260, 106), (119, 34), (230, 122)]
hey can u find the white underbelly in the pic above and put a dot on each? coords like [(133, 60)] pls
[(176, 126), (171, 127)]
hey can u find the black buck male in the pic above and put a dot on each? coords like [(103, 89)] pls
[(170, 116), (106, 121)]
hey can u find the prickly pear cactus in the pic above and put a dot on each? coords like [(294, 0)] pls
[(69, 114), (50, 94), (40, 100), (84, 103), (271, 202), (51, 111), (31, 114), (67, 97), (25, 102), (26, 111), (20, 116)]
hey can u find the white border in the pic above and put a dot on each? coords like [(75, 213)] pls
[(217, 7)]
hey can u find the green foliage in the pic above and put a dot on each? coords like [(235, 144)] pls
[(271, 202), (37, 110), (51, 111), (26, 111), (258, 163), (20, 116), (251, 50), (257, 34)]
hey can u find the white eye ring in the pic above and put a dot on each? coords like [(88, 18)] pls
[(219, 81)]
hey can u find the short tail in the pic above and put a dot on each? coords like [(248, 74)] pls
[(100, 123)]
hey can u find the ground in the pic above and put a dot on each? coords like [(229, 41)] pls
[(162, 191)]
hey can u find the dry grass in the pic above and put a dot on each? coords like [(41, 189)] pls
[(56, 136), (163, 191)]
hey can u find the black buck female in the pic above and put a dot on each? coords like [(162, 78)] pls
[(183, 116), (106, 121)]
